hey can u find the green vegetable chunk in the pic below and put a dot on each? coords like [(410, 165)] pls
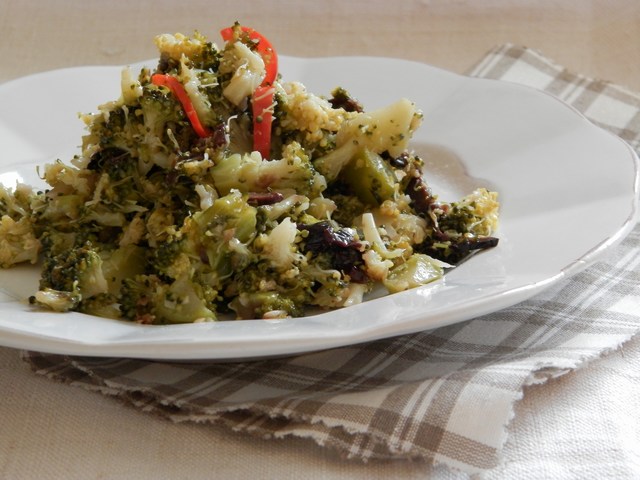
[(419, 270), (369, 178)]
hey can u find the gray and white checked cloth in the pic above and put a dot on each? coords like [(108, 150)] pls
[(445, 396)]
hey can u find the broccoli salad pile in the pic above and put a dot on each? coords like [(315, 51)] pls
[(212, 188)]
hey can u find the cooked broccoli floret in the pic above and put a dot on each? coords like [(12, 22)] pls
[(419, 270), (348, 207), (111, 128), (264, 305), (75, 275), (249, 173), (124, 262), (165, 128), (159, 107), (148, 299), (119, 186), (78, 270), (101, 305), (153, 130), (477, 214), (18, 239), (17, 203), (115, 162), (463, 227), (388, 130), (169, 259), (139, 296), (336, 292), (217, 237), (262, 288), (196, 48)]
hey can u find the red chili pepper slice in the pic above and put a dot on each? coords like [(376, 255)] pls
[(263, 96), (178, 90), (262, 119)]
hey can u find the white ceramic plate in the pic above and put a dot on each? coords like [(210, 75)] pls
[(568, 191)]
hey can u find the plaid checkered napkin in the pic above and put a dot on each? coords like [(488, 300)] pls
[(445, 395)]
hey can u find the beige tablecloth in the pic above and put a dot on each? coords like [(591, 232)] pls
[(582, 424)]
